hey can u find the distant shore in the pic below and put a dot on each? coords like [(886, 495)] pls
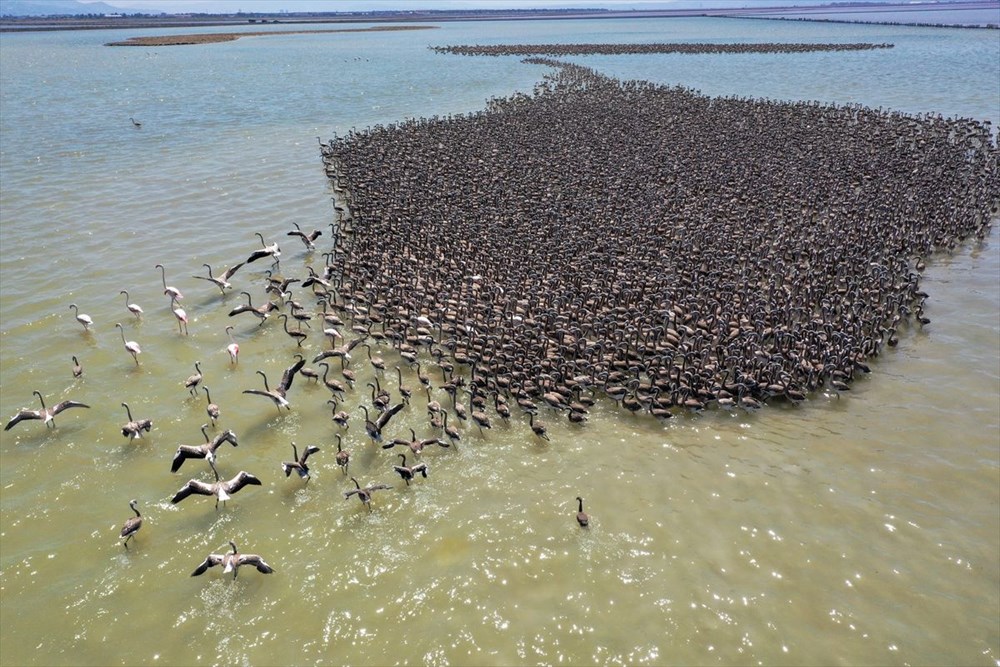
[(816, 13), (209, 38)]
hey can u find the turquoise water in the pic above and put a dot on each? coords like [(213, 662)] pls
[(859, 530)]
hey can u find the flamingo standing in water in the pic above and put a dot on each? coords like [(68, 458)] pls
[(169, 290), (233, 348), (133, 308), (131, 346), (181, 315), (82, 318)]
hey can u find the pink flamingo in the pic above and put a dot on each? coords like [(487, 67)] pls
[(233, 348), (182, 318)]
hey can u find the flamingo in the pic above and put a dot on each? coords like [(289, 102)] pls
[(223, 282), (212, 409), (191, 384), (231, 562), (298, 463), (365, 494), (581, 516), (131, 346), (222, 490), (182, 318), (307, 239), (82, 318), (45, 414), (233, 348), (170, 290), (266, 251), (134, 428), (407, 473), (133, 308), (343, 456), (277, 395), (206, 450), (132, 524)]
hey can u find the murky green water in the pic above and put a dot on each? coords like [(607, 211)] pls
[(858, 530)]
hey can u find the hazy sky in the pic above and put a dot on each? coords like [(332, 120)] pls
[(226, 6)]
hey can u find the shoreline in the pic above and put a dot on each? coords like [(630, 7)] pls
[(135, 22)]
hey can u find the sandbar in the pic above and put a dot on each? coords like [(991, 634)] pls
[(210, 38)]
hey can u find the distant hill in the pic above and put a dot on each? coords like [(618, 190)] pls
[(57, 8)]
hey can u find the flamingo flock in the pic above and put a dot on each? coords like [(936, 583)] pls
[(513, 264)]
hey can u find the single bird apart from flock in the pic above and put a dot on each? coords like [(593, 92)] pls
[(231, 562), (132, 524), (581, 516), (45, 414)]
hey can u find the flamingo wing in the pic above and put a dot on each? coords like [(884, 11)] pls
[(21, 416), (66, 405), (193, 487), (388, 414), (231, 270), (242, 479), (211, 561), (289, 375)]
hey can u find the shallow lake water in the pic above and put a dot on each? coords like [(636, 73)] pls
[(860, 529)]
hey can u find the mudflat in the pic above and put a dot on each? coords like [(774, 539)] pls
[(208, 38)]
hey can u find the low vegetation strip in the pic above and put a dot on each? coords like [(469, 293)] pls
[(209, 38)]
